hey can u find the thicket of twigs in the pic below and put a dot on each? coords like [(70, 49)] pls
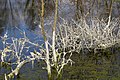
[(67, 37)]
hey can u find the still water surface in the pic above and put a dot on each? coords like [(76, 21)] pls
[(15, 17)]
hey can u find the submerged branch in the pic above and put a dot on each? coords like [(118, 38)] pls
[(16, 70)]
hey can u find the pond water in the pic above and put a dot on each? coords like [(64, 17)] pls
[(102, 66), (18, 16)]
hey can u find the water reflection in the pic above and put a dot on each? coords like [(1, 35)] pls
[(24, 15), (10, 12), (101, 66), (104, 65), (32, 12), (14, 11)]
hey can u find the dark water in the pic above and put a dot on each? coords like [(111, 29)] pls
[(17, 16), (25, 16), (103, 66)]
